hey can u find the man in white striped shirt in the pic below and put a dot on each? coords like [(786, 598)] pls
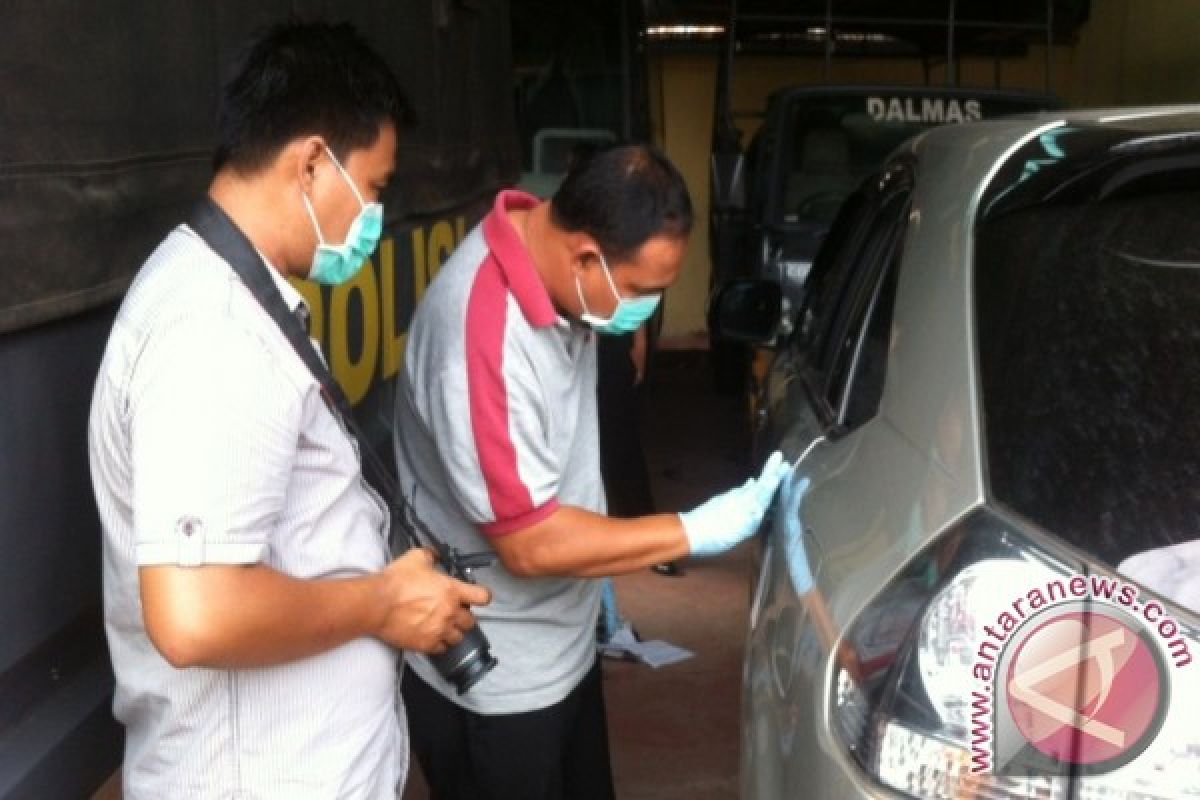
[(252, 615)]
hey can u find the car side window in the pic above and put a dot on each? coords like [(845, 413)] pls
[(856, 376), (864, 389), (830, 272), (849, 316)]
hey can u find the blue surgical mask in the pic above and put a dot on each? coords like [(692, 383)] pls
[(629, 314), (336, 264)]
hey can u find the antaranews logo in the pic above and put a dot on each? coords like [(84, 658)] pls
[(1071, 679)]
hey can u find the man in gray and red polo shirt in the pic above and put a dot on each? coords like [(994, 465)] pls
[(497, 438)]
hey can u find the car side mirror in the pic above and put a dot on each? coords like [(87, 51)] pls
[(747, 310)]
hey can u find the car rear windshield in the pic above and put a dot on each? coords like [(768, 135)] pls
[(1088, 320)]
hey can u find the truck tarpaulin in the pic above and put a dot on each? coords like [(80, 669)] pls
[(108, 119)]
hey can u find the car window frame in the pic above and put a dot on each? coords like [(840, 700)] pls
[(882, 300), (878, 214)]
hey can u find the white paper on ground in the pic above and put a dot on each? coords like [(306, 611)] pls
[(656, 653)]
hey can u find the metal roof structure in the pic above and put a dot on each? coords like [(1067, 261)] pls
[(912, 28)]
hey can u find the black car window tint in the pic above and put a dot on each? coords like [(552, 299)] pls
[(830, 273), (849, 339), (1088, 326), (864, 390)]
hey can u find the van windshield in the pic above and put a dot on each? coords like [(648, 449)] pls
[(833, 141)]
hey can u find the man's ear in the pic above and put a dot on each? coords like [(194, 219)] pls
[(307, 155), (584, 252)]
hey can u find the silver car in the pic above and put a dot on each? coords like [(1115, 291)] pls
[(981, 579)]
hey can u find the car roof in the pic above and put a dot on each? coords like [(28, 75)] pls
[(974, 151)]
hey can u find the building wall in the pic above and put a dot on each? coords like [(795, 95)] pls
[(682, 94), (1130, 52), (1135, 52)]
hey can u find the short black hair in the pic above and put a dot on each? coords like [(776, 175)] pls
[(623, 196), (303, 78)]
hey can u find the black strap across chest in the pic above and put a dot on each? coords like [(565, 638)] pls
[(215, 227)]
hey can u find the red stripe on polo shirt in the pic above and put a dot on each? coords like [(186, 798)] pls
[(503, 526), (520, 275), (487, 316)]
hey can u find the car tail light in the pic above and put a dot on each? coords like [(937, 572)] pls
[(907, 703)]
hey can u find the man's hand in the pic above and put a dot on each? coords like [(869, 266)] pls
[(729, 518), (424, 609)]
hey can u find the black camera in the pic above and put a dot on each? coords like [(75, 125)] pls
[(466, 662), (469, 660)]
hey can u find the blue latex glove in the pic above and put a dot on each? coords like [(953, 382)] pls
[(733, 516), (797, 555), (609, 613)]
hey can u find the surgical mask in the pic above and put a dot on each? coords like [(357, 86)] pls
[(336, 264), (629, 314)]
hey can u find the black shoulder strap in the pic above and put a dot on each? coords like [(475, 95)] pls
[(227, 240), (213, 225)]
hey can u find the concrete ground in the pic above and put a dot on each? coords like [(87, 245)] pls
[(674, 730)]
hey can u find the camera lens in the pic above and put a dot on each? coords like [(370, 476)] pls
[(466, 662)]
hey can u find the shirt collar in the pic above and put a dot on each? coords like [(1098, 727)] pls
[(511, 254), (291, 295)]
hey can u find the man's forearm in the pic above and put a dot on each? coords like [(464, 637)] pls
[(248, 616), (572, 541)]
